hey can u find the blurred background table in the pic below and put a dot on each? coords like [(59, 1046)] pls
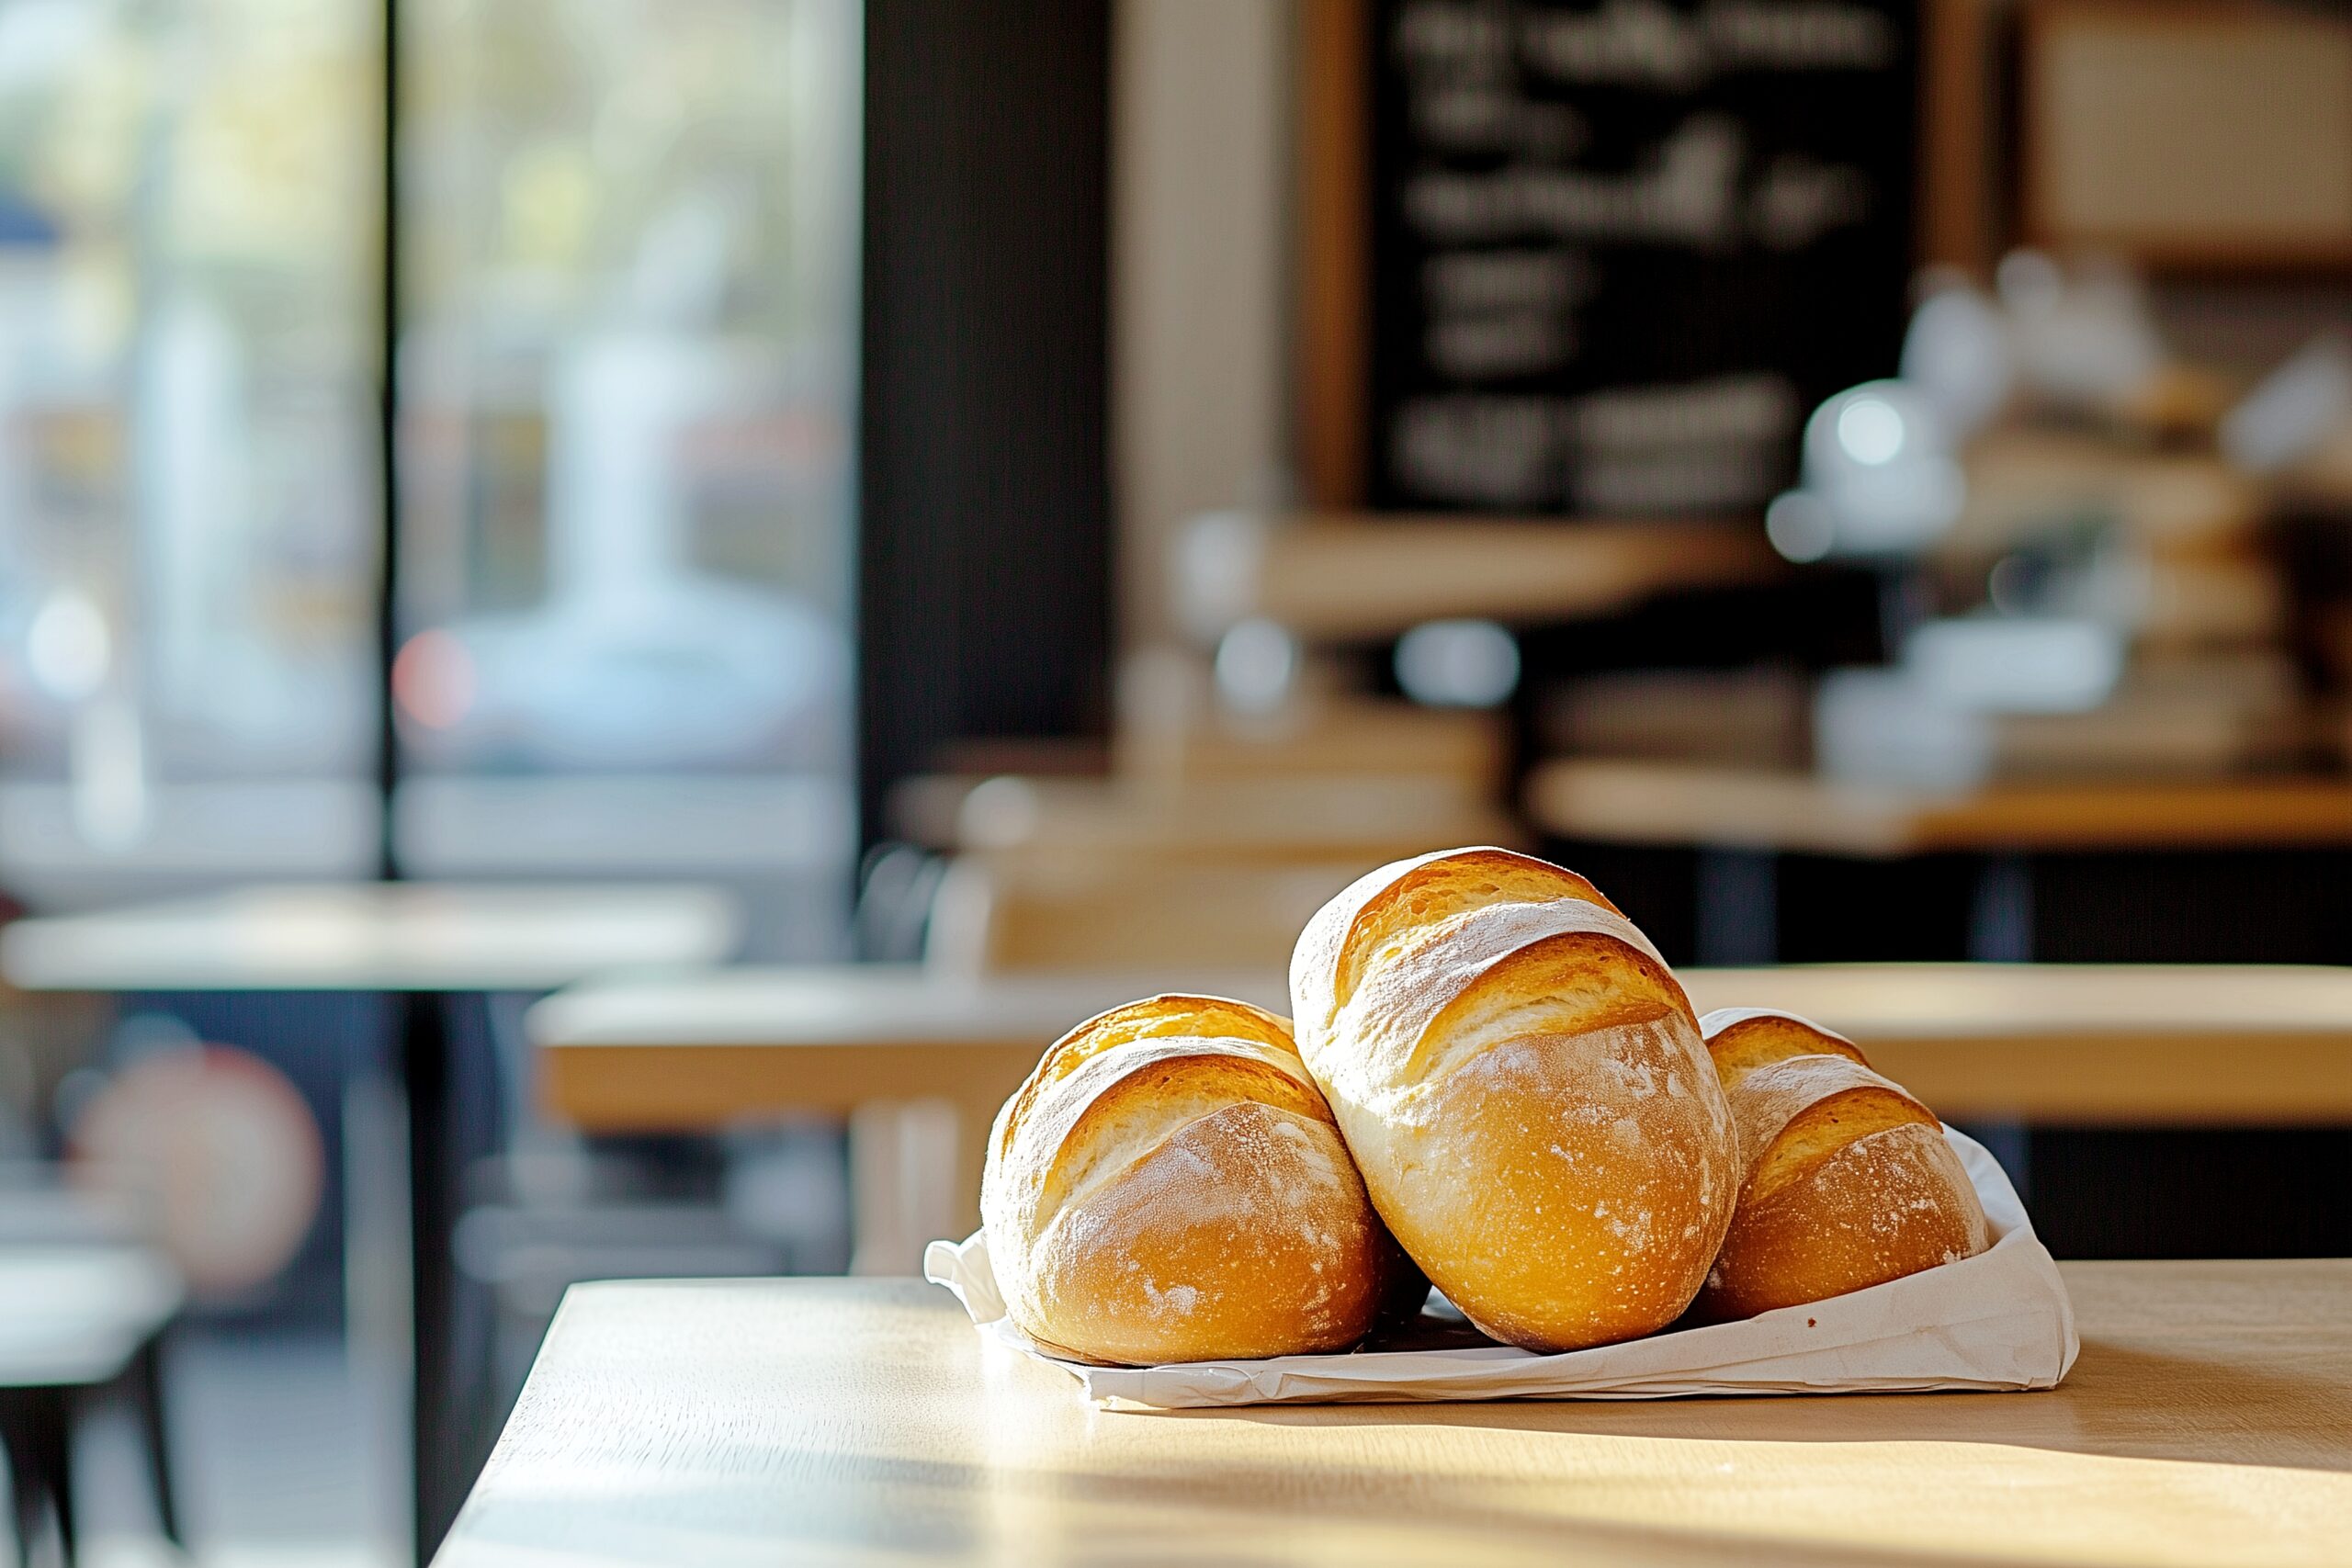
[(2128, 1046), (1637, 802), (867, 1422), (436, 948), (1741, 821)]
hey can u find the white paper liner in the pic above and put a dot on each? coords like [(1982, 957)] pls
[(2001, 1320)]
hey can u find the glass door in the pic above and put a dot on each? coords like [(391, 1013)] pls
[(630, 249), (188, 247)]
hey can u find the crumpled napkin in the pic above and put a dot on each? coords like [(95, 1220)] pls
[(2001, 1320)]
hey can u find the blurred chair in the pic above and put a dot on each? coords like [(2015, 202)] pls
[(1151, 908), (521, 1256), (551, 1210), (85, 1303), (1140, 871), (896, 887), (993, 914)]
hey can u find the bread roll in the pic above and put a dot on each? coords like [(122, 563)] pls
[(1168, 1186), (1524, 1088), (1847, 1180)]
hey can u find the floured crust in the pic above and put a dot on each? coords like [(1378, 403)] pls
[(1522, 1084), (1791, 1112), (1170, 1186), (1890, 1203), (1846, 1178)]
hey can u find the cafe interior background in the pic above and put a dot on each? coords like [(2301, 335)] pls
[(1043, 485)]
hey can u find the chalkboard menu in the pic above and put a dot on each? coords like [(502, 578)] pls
[(1620, 250)]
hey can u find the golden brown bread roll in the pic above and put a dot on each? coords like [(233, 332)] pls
[(1524, 1088), (1847, 1180), (1168, 1186)]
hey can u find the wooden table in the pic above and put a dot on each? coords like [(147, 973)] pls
[(2088, 1045), (428, 944), (2208, 1421)]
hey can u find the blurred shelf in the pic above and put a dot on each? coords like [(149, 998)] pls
[(374, 937), (1672, 803), (1336, 578), (1326, 736)]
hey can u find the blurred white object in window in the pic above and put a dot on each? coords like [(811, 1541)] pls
[(1880, 477), (1257, 663), (68, 648), (1956, 352), (2016, 664), (1800, 526), (1457, 663), (1882, 726), (1000, 813), (2295, 409), (106, 773), (1218, 558), (2081, 338)]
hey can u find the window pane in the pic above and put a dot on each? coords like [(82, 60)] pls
[(630, 249), (188, 242)]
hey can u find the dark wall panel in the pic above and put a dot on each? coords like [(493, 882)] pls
[(985, 571)]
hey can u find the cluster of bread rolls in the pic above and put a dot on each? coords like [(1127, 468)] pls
[(1495, 1081)]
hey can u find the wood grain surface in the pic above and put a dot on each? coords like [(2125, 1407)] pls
[(2209, 1421)]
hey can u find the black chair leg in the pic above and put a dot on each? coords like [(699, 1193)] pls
[(24, 1482), (40, 1464), (57, 1434), (147, 1395)]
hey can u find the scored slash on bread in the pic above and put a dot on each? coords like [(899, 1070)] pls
[(1740, 1038), (1846, 1178), (1168, 1186), (1433, 887)]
